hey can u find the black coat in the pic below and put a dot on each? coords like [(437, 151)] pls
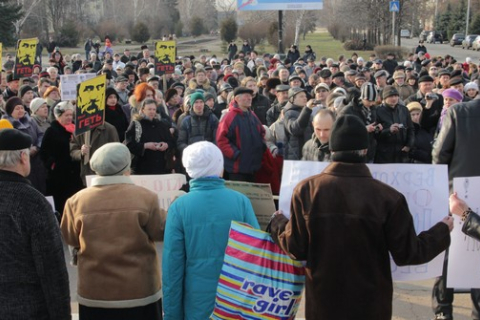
[(260, 106), (422, 151), (148, 161), (390, 145), (118, 119), (63, 174)]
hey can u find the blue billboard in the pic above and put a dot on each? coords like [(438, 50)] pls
[(276, 5)]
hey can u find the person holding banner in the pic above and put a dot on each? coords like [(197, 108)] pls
[(114, 224), (345, 225), (196, 235)]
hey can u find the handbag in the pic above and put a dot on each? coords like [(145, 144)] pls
[(258, 280)]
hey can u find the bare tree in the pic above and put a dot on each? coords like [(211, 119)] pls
[(27, 11)]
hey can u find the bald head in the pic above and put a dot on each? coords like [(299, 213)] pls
[(322, 124)]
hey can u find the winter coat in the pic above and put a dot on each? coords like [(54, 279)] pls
[(457, 144), (98, 137), (362, 112), (422, 150), (313, 150), (389, 147), (390, 66), (148, 161), (195, 128), (114, 224), (118, 119), (296, 120), (404, 91), (273, 113), (293, 56), (309, 54), (344, 224), (38, 173), (196, 236), (34, 278), (471, 226), (42, 124), (260, 105), (63, 174), (240, 137)]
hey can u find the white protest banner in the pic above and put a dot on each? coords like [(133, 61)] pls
[(68, 84), (424, 186), (464, 252), (261, 197), (166, 186)]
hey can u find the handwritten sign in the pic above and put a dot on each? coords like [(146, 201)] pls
[(164, 57), (261, 197), (424, 186), (69, 82), (464, 252), (90, 109), (25, 57), (166, 186)]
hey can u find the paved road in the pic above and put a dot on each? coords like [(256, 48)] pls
[(443, 49), (411, 300)]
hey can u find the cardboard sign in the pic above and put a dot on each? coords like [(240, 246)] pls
[(261, 197), (165, 57), (425, 187), (90, 108), (25, 57), (464, 252), (69, 83), (166, 186)]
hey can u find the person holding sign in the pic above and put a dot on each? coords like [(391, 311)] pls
[(345, 224)]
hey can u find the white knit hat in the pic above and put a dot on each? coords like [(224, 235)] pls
[(203, 159), (36, 104), (470, 85)]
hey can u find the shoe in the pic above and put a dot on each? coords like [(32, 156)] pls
[(442, 316)]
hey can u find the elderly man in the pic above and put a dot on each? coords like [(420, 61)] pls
[(338, 227), (240, 137), (114, 224), (33, 274)]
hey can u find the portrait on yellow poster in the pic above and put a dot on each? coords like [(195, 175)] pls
[(90, 109), (25, 57), (165, 57)]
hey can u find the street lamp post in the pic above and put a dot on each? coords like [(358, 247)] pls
[(468, 17)]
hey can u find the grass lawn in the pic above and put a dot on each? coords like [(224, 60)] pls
[(321, 41)]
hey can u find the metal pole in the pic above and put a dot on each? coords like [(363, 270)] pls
[(468, 18), (280, 31), (436, 12), (393, 27)]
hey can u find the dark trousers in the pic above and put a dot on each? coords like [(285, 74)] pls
[(442, 297), (152, 311)]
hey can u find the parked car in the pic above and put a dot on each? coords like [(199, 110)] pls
[(467, 42), (457, 39), (434, 37), (405, 33), (423, 35), (476, 44)]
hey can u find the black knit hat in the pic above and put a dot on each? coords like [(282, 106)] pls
[(111, 91), (11, 104), (24, 89), (348, 134)]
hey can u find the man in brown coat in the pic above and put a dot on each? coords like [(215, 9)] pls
[(344, 224)]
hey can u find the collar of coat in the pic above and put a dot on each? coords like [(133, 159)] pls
[(107, 180), (6, 175), (348, 169)]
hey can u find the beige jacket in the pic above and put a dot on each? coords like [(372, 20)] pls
[(114, 223)]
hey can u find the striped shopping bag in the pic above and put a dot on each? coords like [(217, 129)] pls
[(258, 280)]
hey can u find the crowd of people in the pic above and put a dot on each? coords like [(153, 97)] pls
[(240, 117)]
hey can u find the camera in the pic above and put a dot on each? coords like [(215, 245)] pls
[(431, 96), (377, 128), (401, 126)]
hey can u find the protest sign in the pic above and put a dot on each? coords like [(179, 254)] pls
[(90, 109), (166, 186), (69, 82), (25, 57), (464, 252), (424, 186), (260, 195), (164, 57)]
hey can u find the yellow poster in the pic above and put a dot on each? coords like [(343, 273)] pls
[(165, 57), (90, 110), (25, 57)]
